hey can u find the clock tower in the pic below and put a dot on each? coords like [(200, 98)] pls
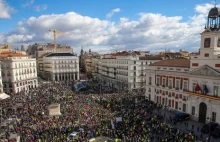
[(209, 52)]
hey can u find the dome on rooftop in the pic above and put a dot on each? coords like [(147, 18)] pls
[(214, 13)]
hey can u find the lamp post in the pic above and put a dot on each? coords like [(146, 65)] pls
[(209, 138)]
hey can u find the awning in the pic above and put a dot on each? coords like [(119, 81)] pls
[(3, 96), (177, 113)]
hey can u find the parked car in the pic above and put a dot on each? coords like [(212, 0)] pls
[(181, 117), (211, 126), (216, 132)]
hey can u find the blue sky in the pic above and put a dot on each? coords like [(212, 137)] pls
[(130, 10)]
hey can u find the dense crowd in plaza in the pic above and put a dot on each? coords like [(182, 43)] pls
[(95, 113)]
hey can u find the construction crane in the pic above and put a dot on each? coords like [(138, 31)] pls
[(55, 32)]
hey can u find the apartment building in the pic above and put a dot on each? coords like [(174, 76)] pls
[(124, 69), (18, 72)]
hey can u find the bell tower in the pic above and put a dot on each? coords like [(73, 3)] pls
[(209, 52), (213, 21)]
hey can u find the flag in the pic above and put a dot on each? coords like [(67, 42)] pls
[(197, 88), (113, 126), (205, 89)]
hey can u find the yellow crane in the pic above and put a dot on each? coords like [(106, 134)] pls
[(55, 32)]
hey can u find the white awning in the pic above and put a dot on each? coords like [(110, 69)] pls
[(3, 96)]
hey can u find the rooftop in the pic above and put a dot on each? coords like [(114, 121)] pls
[(59, 54), (12, 54), (125, 53), (150, 58), (173, 63)]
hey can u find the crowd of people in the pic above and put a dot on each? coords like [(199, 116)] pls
[(95, 113)]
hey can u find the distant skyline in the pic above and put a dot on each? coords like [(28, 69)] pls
[(106, 26)]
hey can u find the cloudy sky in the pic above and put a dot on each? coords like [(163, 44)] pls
[(106, 26)]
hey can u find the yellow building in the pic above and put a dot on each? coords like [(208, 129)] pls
[(90, 64), (185, 54), (5, 47)]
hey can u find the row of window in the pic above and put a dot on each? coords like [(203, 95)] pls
[(62, 66), (21, 65), (170, 83), (10, 85), (146, 63), (172, 69), (124, 62), (170, 94), (171, 103), (65, 62), (8, 73)]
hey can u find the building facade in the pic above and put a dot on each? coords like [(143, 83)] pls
[(18, 72), (59, 67), (191, 86), (87, 60), (124, 69), (90, 64), (37, 50)]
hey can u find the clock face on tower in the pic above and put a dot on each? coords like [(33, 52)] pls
[(207, 42)]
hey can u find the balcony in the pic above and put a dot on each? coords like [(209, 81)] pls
[(163, 85), (185, 90), (204, 96), (170, 87), (177, 88)]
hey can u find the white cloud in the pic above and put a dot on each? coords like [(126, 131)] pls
[(109, 15), (40, 7), (5, 10), (28, 3), (151, 31)]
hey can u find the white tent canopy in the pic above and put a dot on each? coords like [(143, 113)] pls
[(3, 96)]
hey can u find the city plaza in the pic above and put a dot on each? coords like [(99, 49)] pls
[(140, 108)]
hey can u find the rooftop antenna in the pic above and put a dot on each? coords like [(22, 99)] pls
[(215, 3)]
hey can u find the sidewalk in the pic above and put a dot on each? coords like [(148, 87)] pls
[(187, 126)]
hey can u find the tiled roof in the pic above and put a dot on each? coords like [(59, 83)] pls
[(60, 54), (173, 63), (13, 55), (6, 52), (150, 58)]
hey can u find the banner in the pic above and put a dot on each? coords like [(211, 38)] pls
[(113, 126), (118, 119), (54, 110)]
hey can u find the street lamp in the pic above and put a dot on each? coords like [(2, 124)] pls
[(209, 138)]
